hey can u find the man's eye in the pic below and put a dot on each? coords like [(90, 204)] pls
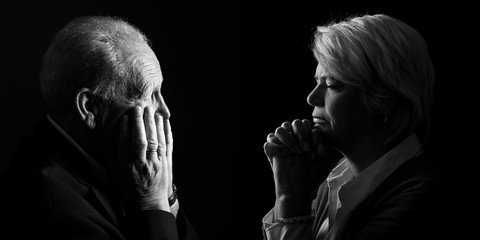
[(154, 95)]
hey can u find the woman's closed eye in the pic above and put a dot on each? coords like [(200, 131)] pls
[(333, 83), (330, 83)]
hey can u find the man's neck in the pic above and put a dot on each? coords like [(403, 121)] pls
[(75, 130)]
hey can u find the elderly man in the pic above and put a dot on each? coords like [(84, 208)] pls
[(99, 164)]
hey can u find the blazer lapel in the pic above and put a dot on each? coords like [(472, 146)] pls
[(321, 207), (107, 205), (72, 160)]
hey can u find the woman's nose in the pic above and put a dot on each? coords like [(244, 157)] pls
[(316, 97)]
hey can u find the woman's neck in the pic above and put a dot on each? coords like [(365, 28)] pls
[(365, 152)]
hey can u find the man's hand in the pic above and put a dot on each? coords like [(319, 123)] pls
[(145, 156), (300, 162)]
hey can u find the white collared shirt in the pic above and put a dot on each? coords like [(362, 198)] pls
[(346, 192)]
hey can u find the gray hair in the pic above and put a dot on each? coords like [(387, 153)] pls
[(388, 60), (92, 52)]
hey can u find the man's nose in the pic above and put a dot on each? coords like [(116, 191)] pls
[(163, 108)]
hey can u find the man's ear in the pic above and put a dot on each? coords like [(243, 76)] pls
[(84, 102)]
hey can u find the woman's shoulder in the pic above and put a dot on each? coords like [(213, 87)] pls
[(412, 187), (405, 204)]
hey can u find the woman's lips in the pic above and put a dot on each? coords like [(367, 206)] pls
[(319, 121)]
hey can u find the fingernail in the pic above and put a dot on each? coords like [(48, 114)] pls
[(306, 146)]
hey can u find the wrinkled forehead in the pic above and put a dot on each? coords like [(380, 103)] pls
[(147, 65), (146, 75)]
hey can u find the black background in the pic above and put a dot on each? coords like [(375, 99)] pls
[(277, 75), (233, 73)]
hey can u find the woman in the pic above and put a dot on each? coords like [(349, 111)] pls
[(363, 157)]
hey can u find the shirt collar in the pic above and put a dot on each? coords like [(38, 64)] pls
[(352, 189), (381, 168), (98, 170), (385, 165)]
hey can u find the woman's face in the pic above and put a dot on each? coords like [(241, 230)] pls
[(340, 112)]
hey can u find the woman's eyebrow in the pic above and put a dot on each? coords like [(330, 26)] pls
[(323, 77)]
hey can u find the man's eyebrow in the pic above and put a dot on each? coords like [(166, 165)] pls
[(145, 87)]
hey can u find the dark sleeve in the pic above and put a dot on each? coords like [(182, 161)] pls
[(159, 225), (151, 225), (185, 229), (25, 224)]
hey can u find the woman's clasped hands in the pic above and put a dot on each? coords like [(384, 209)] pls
[(301, 160)]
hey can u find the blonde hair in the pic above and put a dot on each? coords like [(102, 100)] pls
[(388, 60)]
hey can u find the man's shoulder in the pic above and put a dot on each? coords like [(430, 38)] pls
[(51, 196), (35, 173), (48, 185)]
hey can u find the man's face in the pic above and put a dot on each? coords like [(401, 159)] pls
[(109, 116)]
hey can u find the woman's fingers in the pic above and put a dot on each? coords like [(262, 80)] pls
[(271, 138), (287, 126), (296, 136), (301, 129), (288, 139), (274, 150)]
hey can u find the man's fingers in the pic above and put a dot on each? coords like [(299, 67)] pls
[(162, 142), (151, 133), (302, 132), (165, 144), (169, 139), (168, 136), (139, 137)]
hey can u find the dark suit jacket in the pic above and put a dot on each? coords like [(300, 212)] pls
[(48, 192), (404, 206)]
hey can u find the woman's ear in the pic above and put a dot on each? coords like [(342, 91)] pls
[(84, 102)]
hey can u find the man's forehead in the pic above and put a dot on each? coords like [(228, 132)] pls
[(148, 65)]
